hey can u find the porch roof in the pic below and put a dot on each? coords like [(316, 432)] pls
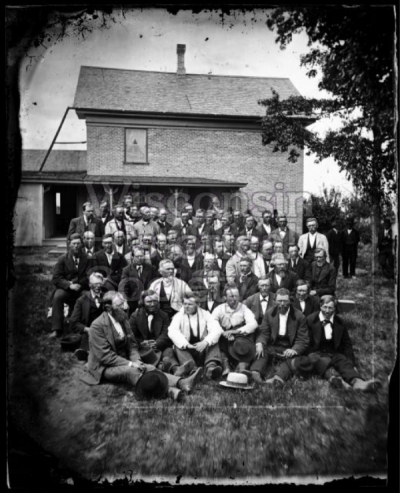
[(160, 181)]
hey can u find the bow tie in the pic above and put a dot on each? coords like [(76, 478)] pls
[(325, 322)]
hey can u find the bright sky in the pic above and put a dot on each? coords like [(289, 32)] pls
[(146, 40)]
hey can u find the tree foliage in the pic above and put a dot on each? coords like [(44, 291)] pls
[(352, 49)]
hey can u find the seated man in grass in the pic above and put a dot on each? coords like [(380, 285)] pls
[(87, 308), (323, 275), (283, 335), (195, 334), (237, 321), (114, 355), (331, 351), (70, 280)]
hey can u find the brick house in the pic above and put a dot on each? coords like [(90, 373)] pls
[(165, 138)]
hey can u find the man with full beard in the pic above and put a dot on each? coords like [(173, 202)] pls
[(114, 355), (281, 277)]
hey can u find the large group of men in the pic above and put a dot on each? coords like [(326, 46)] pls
[(161, 306)]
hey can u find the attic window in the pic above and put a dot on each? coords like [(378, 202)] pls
[(135, 146)]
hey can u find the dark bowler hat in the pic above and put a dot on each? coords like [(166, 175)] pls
[(301, 364), (153, 384), (70, 342), (242, 349), (149, 356)]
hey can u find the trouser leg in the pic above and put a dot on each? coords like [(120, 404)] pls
[(344, 367), (212, 356), (85, 341), (336, 262), (168, 360), (260, 365), (185, 355), (353, 260), (122, 374), (57, 318), (345, 267)]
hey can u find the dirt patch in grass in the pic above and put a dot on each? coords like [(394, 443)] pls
[(101, 432)]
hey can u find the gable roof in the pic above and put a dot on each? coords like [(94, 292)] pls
[(58, 160), (163, 92)]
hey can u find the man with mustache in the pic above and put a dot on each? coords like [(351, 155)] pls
[(303, 301), (232, 266), (119, 223), (323, 275), (298, 265), (284, 234), (312, 240), (114, 355), (86, 222), (266, 227), (283, 335), (281, 277)]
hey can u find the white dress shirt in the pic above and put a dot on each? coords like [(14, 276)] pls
[(278, 279), (267, 228), (150, 317), (264, 303), (312, 238), (191, 259), (303, 305), (109, 257), (283, 323)]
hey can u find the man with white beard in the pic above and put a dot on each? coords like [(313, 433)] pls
[(114, 355)]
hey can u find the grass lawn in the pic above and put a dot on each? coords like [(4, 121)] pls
[(103, 432)]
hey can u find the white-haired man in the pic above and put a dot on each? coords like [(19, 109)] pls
[(312, 240), (118, 223), (87, 308), (195, 334), (169, 289), (280, 276), (114, 355), (232, 266)]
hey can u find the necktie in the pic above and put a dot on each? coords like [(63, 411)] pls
[(97, 301), (76, 260), (139, 270), (89, 253)]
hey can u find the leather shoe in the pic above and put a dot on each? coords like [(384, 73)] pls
[(81, 354), (185, 369), (187, 384), (214, 372), (275, 381), (366, 386), (175, 394)]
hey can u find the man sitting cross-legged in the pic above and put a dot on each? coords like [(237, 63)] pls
[(195, 334), (283, 334), (237, 322), (70, 280), (114, 355), (150, 325), (87, 308), (331, 349)]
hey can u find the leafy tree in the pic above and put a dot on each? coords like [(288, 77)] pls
[(352, 50)]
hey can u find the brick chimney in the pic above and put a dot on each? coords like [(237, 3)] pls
[(180, 49)]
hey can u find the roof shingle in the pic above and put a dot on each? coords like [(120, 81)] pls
[(162, 92)]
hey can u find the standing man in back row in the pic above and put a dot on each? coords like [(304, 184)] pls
[(86, 222), (312, 240), (350, 239)]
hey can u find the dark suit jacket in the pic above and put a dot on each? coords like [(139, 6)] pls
[(103, 353), (253, 302), (112, 272), (164, 229), (133, 286), (247, 288), (81, 316), (255, 232), (385, 244), (335, 242), (139, 326), (296, 329), (302, 269), (191, 230), (77, 225), (108, 218), (312, 305), (341, 339), (263, 233), (354, 239), (290, 238), (204, 305), (64, 271), (156, 258), (233, 229), (197, 264), (183, 272), (288, 283), (325, 283)]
